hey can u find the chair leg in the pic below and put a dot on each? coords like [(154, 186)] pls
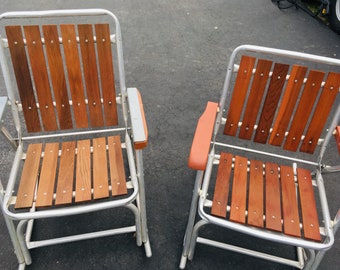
[(141, 203), (22, 241), (12, 234), (191, 220)]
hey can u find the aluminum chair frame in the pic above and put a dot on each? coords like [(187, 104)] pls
[(208, 156), (133, 131)]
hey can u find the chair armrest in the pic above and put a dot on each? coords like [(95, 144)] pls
[(138, 121), (337, 137), (201, 143), (3, 103)]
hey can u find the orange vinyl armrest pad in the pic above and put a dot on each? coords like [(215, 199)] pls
[(337, 137), (201, 143)]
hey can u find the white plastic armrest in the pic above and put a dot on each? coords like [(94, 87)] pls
[(3, 103), (138, 121)]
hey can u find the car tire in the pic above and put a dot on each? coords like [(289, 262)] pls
[(334, 15)]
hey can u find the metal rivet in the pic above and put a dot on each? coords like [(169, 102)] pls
[(15, 42), (312, 225), (277, 134), (218, 202), (33, 41), (278, 77), (94, 103), (46, 106), (100, 186), (110, 102), (30, 108), (69, 41), (313, 84), (262, 130), (271, 171), (273, 217), (231, 124), (103, 40), (261, 74), (25, 195), (294, 139), (245, 71), (247, 128), (86, 40), (82, 189), (295, 81), (310, 142), (236, 207), (118, 183), (292, 220), (63, 105), (332, 87), (78, 104), (45, 193), (64, 191)]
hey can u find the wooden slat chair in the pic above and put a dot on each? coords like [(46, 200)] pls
[(259, 155), (80, 149)]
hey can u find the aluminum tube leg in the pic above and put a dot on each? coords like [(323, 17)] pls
[(12, 234), (142, 203), (135, 211), (20, 234), (319, 256), (191, 219)]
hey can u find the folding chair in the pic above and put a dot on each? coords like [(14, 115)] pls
[(260, 154), (79, 141)]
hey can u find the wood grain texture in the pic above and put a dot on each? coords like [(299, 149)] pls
[(221, 193), (271, 102), (243, 78), (83, 171), (100, 169), (23, 78)]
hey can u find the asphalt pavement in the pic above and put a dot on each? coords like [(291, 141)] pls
[(176, 53)]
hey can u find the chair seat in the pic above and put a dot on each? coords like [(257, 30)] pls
[(266, 195), (71, 172)]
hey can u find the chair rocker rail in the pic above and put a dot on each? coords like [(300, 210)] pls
[(70, 210)]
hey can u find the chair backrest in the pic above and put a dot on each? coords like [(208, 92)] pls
[(279, 103), (64, 73)]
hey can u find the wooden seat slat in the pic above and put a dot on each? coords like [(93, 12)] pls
[(89, 61), (291, 221), (221, 193), (47, 175), (57, 75), (117, 171), (304, 109), (29, 176), (40, 77), (257, 91), (243, 78), (75, 80), (66, 173), (256, 196), (308, 205), (239, 191), (23, 78), (273, 197), (288, 103), (321, 112), (100, 169), (106, 73), (83, 171), (271, 101)]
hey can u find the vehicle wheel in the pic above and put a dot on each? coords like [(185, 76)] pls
[(334, 15)]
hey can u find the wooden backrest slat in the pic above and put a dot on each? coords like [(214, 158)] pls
[(66, 173), (291, 221), (57, 75), (255, 96), (243, 78), (256, 195), (304, 109), (83, 171), (221, 193), (29, 177), (117, 171), (308, 206), (47, 175), (289, 100), (239, 191), (23, 78), (106, 73), (273, 197), (100, 169), (40, 76), (86, 40), (321, 112), (74, 75), (271, 101)]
